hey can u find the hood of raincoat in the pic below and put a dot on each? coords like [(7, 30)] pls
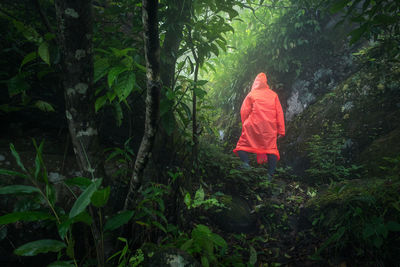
[(260, 82)]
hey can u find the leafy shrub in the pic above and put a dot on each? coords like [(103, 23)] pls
[(327, 162), (205, 243), (362, 219)]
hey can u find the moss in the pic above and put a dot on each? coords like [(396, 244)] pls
[(385, 146)]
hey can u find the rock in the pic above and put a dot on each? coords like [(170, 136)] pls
[(2, 158), (55, 177), (172, 257), (236, 217)]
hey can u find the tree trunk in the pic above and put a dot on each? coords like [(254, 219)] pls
[(74, 21), (176, 15), (152, 53), (75, 40)]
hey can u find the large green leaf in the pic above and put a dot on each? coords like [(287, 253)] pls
[(40, 246), (26, 216), (125, 86), (28, 58), (18, 189), (200, 92), (357, 33), (114, 73), (101, 67), (84, 199), (118, 220), (17, 158), (100, 197), (44, 106), (12, 173), (44, 53), (100, 102)]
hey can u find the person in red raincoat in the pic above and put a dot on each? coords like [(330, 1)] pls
[(262, 124)]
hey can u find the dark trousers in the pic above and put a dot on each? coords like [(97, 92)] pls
[(272, 160)]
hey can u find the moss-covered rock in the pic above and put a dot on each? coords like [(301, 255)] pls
[(366, 105)]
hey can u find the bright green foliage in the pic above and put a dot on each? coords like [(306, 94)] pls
[(120, 69), (200, 201), (207, 244), (126, 257)]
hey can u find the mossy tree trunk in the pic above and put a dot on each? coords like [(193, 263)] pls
[(75, 30), (74, 19), (152, 54)]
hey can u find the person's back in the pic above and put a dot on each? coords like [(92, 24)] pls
[(262, 123)]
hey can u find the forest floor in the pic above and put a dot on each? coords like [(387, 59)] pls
[(280, 235)]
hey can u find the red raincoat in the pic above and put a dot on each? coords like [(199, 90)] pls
[(262, 120)]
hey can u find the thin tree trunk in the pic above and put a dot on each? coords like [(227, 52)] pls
[(75, 40), (195, 138), (152, 53)]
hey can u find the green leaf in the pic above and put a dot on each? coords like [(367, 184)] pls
[(100, 102), (114, 73), (253, 256), (40, 246), (81, 182), (118, 220), (25, 216), (200, 92), (201, 82), (17, 158), (18, 189), (218, 240), (187, 245), (187, 200), (44, 106), (100, 197), (204, 261), (12, 173), (187, 110), (61, 264), (357, 33), (101, 67), (125, 86), (43, 52), (65, 226), (159, 226), (84, 199), (199, 196), (28, 58), (17, 85)]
